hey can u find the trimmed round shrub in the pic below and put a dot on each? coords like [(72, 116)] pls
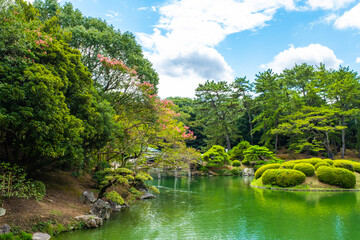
[(307, 168), (236, 163), (262, 169), (344, 164), (283, 177), (288, 165), (324, 163), (246, 162), (356, 165), (329, 161), (336, 176)]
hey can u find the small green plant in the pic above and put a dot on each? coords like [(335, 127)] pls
[(235, 171), (307, 168), (13, 183), (21, 236), (236, 163), (40, 189), (153, 189), (135, 193), (114, 197)]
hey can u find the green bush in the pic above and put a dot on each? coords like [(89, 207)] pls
[(288, 165), (14, 182), (224, 172), (283, 177), (259, 154), (216, 156), (344, 164), (245, 162), (236, 163), (307, 168), (356, 165), (336, 176), (238, 151), (235, 171), (262, 169), (324, 163), (114, 197), (21, 236), (40, 189)]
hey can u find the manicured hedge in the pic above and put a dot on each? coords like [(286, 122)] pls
[(263, 168), (336, 176), (307, 168), (288, 165), (236, 163), (321, 164), (356, 165), (344, 164), (283, 177)]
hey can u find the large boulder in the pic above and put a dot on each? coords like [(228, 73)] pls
[(91, 221), (248, 172), (40, 236), (2, 211), (115, 207), (147, 195), (101, 209), (4, 229), (87, 197)]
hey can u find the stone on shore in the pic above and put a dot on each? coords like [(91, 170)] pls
[(91, 221), (87, 197), (40, 236), (101, 209)]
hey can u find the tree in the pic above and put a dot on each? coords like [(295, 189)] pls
[(237, 153), (243, 89), (344, 92), (216, 107), (216, 157), (312, 127)]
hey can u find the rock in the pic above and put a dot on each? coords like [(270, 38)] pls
[(248, 172), (91, 221), (115, 207), (5, 229), (87, 197), (2, 211), (147, 196), (101, 209), (41, 236)]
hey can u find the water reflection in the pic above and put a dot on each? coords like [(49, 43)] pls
[(228, 208)]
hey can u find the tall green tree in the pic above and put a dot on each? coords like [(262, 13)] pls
[(217, 110)]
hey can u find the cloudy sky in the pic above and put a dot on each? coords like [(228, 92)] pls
[(190, 41)]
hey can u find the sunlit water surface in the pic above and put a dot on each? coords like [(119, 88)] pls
[(228, 208)]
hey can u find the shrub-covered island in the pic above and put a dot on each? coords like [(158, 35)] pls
[(309, 174)]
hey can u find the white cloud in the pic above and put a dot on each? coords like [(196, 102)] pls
[(357, 60), (112, 14), (314, 54), (350, 19), (152, 8), (182, 45), (328, 4)]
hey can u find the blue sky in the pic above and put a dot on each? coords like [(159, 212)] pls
[(190, 41)]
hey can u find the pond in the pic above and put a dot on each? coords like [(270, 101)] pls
[(228, 208)]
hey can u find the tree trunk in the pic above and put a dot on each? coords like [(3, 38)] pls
[(276, 137), (228, 141), (250, 126), (343, 138), (327, 146)]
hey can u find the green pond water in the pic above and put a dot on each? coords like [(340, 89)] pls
[(228, 208)]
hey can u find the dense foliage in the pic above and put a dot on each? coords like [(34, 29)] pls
[(306, 168), (283, 177), (262, 169), (216, 157), (336, 176)]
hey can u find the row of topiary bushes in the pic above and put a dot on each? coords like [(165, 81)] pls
[(291, 173)]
